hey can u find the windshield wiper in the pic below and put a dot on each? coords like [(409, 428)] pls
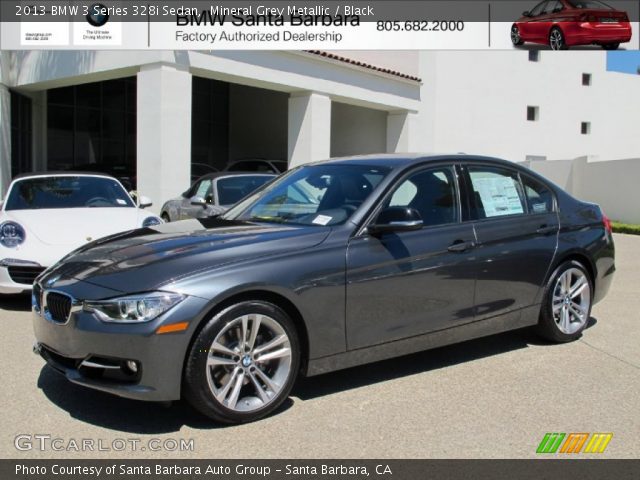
[(266, 218)]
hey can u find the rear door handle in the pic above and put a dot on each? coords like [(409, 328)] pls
[(461, 246), (547, 229)]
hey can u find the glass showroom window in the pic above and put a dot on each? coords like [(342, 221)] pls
[(93, 123)]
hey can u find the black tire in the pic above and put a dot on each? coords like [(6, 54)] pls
[(610, 46), (547, 326), (515, 36), (196, 380), (165, 217), (557, 40)]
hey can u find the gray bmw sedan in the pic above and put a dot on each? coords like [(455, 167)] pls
[(333, 264)]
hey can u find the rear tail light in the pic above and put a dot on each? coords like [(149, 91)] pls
[(607, 223), (588, 18), (624, 18)]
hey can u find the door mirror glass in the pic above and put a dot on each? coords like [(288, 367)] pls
[(198, 201), (396, 219)]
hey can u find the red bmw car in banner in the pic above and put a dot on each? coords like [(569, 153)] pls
[(566, 23)]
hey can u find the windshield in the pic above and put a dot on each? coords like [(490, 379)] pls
[(67, 192), (311, 195), (590, 4), (233, 189)]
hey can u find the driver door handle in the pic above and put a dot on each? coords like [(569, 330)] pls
[(546, 229), (461, 246)]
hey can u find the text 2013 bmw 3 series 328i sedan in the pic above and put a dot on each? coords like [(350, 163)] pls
[(332, 265)]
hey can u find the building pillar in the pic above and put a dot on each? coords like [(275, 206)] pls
[(164, 133), (5, 139), (401, 135), (309, 128)]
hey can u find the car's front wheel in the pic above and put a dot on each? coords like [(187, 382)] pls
[(556, 39), (567, 303), (165, 217), (516, 39), (243, 363)]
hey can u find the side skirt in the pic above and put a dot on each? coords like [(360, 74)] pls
[(510, 321)]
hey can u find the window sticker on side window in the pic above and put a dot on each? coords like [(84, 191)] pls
[(120, 201), (322, 220), (498, 194), (539, 207)]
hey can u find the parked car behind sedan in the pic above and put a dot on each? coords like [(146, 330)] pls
[(212, 194), (566, 23), (385, 255), (257, 165), (45, 216)]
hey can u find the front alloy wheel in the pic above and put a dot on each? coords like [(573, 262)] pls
[(567, 304), (243, 363)]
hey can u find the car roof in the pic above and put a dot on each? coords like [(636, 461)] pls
[(396, 160), (214, 175), (65, 173)]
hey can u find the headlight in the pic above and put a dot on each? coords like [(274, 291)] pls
[(151, 221), (11, 234), (134, 308)]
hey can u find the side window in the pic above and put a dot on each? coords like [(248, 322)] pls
[(539, 197), (537, 10), (431, 192), (204, 190), (496, 193)]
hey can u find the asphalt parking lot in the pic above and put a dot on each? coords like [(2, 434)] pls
[(489, 398)]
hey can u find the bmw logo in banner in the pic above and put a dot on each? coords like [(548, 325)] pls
[(98, 15)]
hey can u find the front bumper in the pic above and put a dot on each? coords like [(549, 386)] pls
[(25, 273), (84, 337)]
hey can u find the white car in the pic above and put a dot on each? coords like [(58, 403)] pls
[(45, 216)]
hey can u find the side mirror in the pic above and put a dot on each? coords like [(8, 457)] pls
[(198, 202), (396, 219), (526, 13), (144, 202)]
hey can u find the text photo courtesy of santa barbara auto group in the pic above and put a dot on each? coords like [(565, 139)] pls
[(319, 240)]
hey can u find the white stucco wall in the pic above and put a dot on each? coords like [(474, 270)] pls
[(357, 130), (476, 102)]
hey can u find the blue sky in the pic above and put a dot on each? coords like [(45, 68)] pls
[(623, 61)]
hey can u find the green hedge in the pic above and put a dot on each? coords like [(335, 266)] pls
[(631, 228)]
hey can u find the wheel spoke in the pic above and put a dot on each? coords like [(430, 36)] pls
[(271, 385), (578, 287), (213, 360), (218, 347), (283, 352), (565, 319), (245, 326), (280, 339), (255, 326), (259, 389), (235, 393), (566, 282), (577, 310), (221, 394)]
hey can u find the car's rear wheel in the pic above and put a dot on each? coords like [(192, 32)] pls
[(515, 36), (610, 46), (165, 217), (556, 39), (243, 363), (567, 303)]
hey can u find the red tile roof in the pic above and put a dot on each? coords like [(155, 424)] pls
[(358, 63)]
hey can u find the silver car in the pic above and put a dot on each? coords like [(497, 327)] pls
[(213, 194)]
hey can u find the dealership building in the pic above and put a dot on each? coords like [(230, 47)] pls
[(156, 113)]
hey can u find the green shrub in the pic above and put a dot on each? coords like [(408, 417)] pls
[(630, 228)]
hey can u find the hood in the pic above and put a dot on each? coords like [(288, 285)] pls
[(72, 227), (147, 258)]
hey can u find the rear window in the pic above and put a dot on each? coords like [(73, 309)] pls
[(590, 4), (67, 192)]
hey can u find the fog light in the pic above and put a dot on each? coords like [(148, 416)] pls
[(132, 366)]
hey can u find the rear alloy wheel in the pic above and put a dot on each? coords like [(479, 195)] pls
[(243, 363), (556, 39), (567, 305), (515, 36), (610, 46)]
